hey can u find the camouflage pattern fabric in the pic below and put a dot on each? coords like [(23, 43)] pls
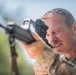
[(56, 65)]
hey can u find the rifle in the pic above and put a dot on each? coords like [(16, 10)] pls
[(24, 35)]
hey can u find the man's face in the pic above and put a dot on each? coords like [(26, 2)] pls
[(59, 36)]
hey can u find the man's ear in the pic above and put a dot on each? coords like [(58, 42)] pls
[(74, 27)]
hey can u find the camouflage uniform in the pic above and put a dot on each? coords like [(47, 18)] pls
[(56, 65)]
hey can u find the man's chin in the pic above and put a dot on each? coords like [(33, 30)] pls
[(59, 51)]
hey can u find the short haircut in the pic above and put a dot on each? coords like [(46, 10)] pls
[(69, 19)]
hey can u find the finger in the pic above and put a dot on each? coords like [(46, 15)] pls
[(36, 36), (24, 45)]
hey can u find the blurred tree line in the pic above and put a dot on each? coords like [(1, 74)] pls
[(24, 68)]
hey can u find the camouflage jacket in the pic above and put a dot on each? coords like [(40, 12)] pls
[(56, 65)]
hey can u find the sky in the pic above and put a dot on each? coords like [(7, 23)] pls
[(18, 10)]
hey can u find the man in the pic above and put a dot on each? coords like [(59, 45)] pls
[(61, 35)]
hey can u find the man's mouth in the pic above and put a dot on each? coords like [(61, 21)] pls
[(56, 45)]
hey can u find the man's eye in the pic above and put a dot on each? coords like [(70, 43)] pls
[(47, 34), (56, 32)]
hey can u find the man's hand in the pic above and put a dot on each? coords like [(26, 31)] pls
[(39, 70), (34, 49)]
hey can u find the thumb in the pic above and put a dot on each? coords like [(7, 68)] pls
[(36, 36)]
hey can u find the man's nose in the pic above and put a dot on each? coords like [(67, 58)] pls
[(53, 39)]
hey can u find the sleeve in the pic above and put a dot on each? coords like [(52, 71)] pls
[(55, 65)]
